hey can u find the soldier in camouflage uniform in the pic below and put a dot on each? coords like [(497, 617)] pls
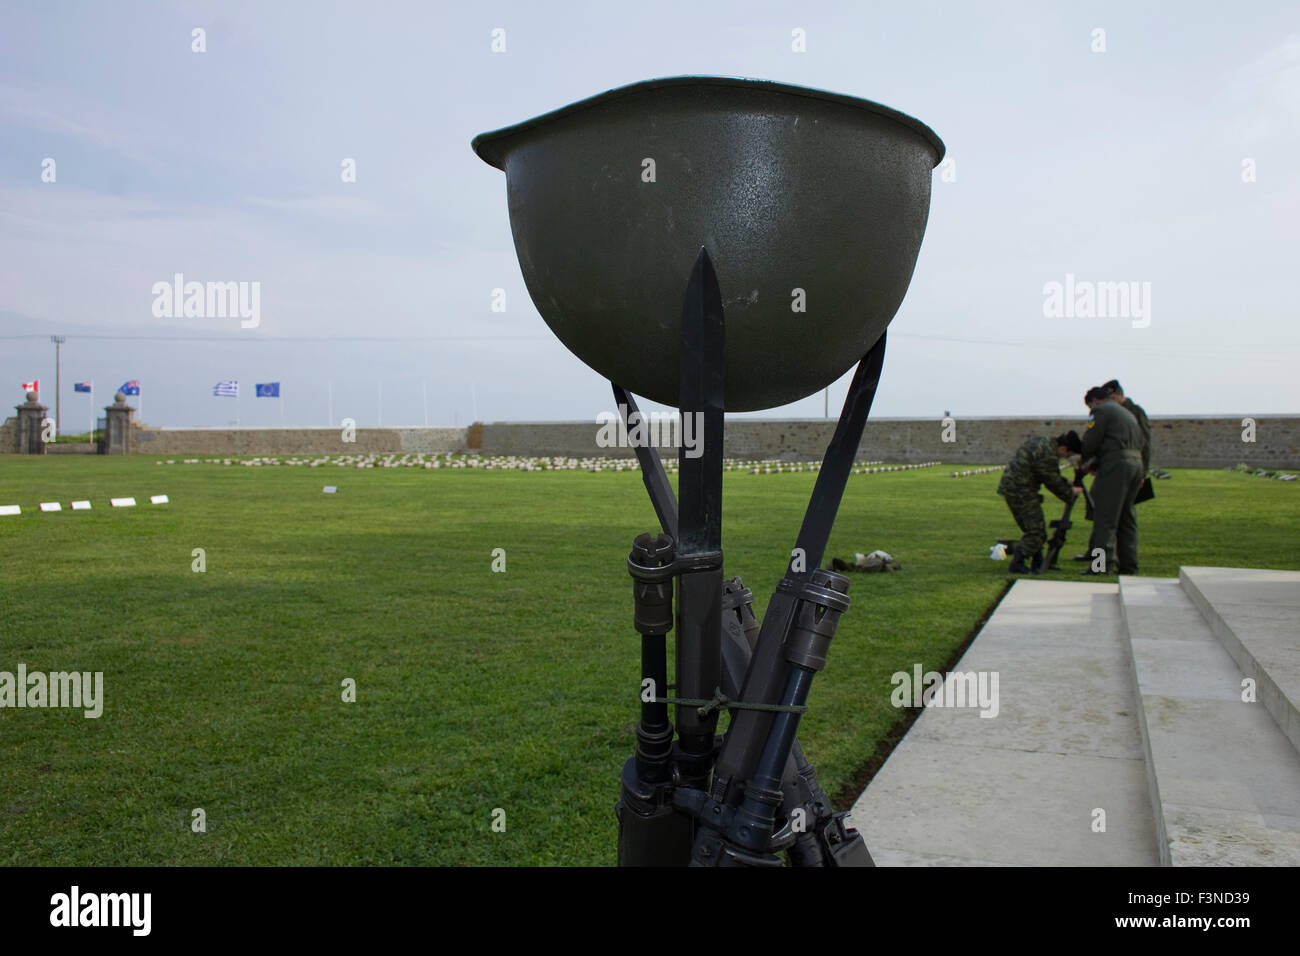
[(1116, 394), (1115, 440), (1037, 462)]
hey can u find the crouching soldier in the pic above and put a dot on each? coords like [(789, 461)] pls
[(1037, 462)]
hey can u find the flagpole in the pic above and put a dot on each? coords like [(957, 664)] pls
[(424, 394), (281, 407), (381, 403), (330, 423), (90, 437)]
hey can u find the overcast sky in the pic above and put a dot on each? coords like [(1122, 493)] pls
[(1132, 164)]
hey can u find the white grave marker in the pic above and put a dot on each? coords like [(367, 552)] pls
[(122, 502), (331, 489), (81, 506), (10, 510), (158, 500), (51, 506)]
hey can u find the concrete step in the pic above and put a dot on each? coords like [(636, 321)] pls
[(1256, 616), (1224, 781), (1024, 787)]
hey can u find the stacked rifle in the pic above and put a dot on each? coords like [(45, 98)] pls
[(1063, 524), (690, 797)]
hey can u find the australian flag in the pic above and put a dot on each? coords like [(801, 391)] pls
[(130, 388), (268, 390), (81, 387)]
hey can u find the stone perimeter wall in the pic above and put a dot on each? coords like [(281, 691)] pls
[(1176, 442), (294, 441)]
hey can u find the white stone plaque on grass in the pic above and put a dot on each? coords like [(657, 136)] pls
[(122, 502), (10, 510), (158, 499), (331, 489), (81, 506), (51, 506)]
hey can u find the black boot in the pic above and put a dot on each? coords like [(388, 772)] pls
[(1018, 565)]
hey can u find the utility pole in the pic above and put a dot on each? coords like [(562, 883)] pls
[(58, 340)]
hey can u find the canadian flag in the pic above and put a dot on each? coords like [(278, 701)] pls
[(33, 386)]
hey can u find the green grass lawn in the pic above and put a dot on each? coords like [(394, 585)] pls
[(475, 690)]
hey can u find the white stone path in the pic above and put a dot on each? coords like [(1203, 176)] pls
[(1123, 700)]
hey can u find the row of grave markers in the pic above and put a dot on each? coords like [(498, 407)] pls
[(444, 460), (83, 505)]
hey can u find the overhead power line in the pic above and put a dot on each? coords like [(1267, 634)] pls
[(296, 338), (1264, 351)]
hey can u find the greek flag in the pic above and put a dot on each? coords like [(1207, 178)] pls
[(226, 390)]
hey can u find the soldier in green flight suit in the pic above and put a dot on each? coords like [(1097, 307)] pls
[(1116, 394), (1037, 462), (1115, 440)]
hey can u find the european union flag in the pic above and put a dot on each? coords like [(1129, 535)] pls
[(268, 390)]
